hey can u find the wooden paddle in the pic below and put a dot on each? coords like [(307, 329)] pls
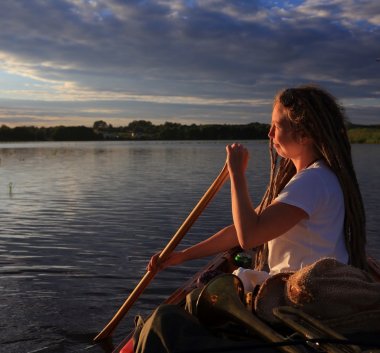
[(177, 237)]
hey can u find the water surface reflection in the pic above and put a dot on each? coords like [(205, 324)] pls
[(80, 220)]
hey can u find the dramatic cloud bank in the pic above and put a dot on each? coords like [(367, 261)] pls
[(75, 61)]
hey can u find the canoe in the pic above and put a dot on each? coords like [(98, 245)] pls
[(226, 263)]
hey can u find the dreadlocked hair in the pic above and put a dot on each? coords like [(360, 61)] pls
[(315, 113)]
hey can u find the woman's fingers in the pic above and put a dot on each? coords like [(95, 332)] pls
[(237, 157), (153, 264)]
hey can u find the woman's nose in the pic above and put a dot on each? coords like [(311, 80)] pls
[(271, 132)]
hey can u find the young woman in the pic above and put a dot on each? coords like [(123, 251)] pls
[(312, 207)]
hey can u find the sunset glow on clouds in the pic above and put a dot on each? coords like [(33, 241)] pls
[(214, 61)]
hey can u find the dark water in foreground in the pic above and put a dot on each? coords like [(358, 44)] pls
[(79, 222)]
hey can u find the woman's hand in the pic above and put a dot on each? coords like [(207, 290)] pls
[(156, 265), (237, 158)]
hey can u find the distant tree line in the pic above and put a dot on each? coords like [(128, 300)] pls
[(136, 130), (58, 133), (364, 133), (145, 130)]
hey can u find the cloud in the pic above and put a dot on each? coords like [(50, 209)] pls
[(201, 53)]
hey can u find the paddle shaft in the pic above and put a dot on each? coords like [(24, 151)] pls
[(177, 237)]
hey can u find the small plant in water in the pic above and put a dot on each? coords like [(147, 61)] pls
[(10, 187)]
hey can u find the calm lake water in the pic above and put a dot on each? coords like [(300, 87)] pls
[(79, 221)]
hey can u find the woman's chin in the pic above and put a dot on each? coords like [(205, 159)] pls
[(277, 148)]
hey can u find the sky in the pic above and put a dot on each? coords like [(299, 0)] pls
[(73, 62)]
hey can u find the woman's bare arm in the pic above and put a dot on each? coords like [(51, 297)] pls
[(251, 228)]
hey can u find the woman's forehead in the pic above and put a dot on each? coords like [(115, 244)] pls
[(279, 113)]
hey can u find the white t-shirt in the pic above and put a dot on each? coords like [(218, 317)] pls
[(317, 191)]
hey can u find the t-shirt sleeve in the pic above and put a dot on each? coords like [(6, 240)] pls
[(305, 190)]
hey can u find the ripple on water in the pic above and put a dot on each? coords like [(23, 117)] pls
[(82, 220)]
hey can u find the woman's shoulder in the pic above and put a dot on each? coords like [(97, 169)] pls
[(319, 169), (319, 176), (313, 188)]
